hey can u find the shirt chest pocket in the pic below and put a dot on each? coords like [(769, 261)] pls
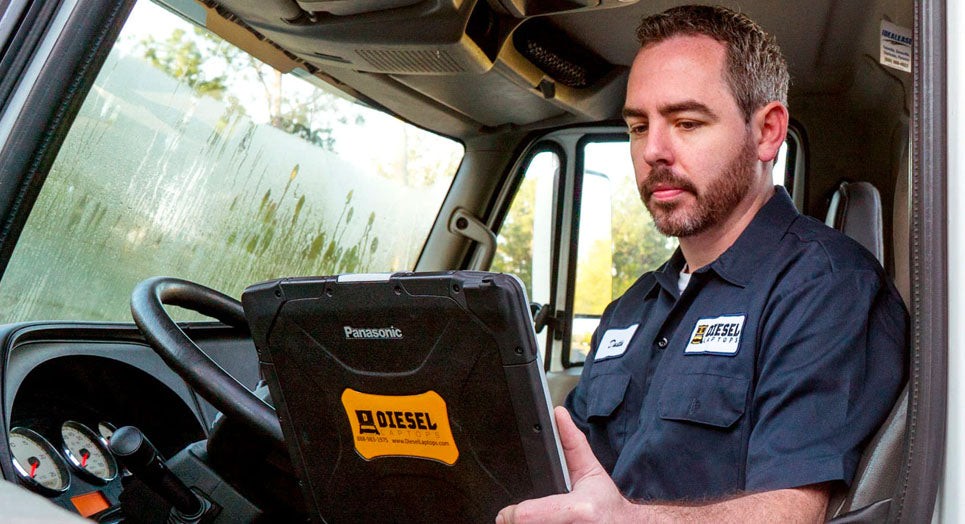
[(699, 428), (709, 400), (607, 415), (605, 395)]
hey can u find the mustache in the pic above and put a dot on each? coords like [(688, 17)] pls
[(663, 175)]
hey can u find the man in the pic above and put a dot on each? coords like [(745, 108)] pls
[(740, 381)]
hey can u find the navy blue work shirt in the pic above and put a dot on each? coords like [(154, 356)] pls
[(771, 370)]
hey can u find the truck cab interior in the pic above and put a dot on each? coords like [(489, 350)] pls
[(229, 142)]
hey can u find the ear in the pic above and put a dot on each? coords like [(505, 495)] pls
[(770, 126)]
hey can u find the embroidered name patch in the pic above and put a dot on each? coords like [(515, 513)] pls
[(614, 342), (721, 335)]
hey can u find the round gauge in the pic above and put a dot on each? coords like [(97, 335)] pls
[(37, 462), (106, 431), (87, 453)]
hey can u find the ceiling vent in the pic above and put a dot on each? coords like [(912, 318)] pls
[(422, 61), (556, 54)]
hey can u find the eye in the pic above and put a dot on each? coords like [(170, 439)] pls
[(637, 128), (688, 125)]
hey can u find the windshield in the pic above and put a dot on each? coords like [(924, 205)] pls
[(191, 158)]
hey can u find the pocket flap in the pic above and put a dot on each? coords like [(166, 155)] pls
[(605, 394), (712, 400)]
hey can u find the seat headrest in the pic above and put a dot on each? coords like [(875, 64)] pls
[(855, 210)]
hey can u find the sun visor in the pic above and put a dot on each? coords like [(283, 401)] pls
[(352, 7), (528, 8)]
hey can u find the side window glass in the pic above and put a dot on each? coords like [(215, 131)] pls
[(783, 175), (789, 167), (524, 244), (617, 239)]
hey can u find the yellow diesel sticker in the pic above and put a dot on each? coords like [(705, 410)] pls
[(400, 426)]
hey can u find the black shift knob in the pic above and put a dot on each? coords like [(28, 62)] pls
[(138, 455)]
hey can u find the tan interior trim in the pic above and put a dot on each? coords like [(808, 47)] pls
[(251, 43)]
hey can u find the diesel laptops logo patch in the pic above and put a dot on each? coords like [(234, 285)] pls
[(721, 335), (614, 342), (412, 426)]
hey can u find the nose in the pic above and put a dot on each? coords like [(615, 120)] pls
[(657, 147)]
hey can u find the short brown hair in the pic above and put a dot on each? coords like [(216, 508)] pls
[(756, 69)]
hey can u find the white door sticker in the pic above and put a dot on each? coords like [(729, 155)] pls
[(720, 335), (895, 46), (614, 342)]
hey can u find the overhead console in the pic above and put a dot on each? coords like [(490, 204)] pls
[(445, 50)]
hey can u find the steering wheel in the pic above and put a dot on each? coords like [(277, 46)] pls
[(185, 358)]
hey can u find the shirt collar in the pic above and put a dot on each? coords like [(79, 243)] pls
[(668, 274), (738, 263)]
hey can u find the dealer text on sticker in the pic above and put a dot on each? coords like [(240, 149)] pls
[(400, 426), (720, 335), (895, 46)]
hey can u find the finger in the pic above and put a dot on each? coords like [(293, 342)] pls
[(554, 509), (505, 515), (580, 460)]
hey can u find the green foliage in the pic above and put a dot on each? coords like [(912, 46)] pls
[(594, 280), (514, 253), (212, 67), (606, 271), (261, 235), (182, 58), (299, 128), (279, 230)]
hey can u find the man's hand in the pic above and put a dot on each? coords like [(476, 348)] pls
[(595, 498)]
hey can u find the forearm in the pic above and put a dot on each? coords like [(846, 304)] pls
[(596, 498), (801, 505)]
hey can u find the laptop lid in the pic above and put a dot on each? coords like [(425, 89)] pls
[(408, 397)]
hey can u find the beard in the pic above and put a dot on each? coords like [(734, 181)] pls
[(712, 206)]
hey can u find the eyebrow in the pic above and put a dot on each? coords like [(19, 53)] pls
[(679, 107)]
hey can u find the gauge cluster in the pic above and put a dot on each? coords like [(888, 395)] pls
[(64, 410), (77, 457), (65, 388)]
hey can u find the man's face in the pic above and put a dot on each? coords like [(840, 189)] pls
[(692, 151)]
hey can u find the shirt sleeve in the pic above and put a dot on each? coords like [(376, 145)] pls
[(831, 363), (575, 401)]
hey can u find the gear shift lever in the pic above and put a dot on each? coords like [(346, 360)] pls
[(139, 456)]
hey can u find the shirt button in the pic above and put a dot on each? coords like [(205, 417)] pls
[(662, 343)]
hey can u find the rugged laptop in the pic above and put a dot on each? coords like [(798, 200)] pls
[(408, 397)]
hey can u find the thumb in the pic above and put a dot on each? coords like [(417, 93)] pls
[(580, 460)]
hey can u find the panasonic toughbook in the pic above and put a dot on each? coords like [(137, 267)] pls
[(408, 397)]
